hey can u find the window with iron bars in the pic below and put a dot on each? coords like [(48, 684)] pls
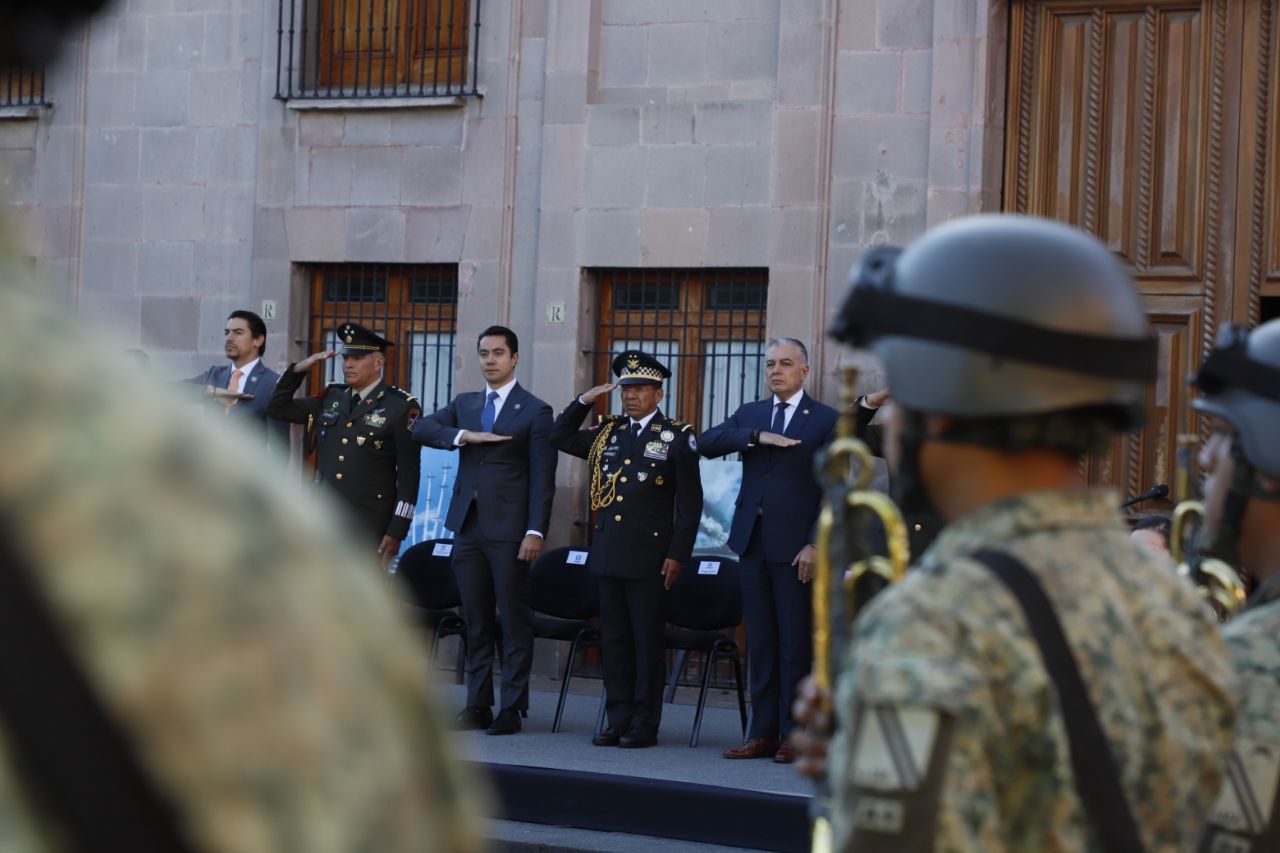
[(22, 87), (413, 305), (706, 325), (377, 48)]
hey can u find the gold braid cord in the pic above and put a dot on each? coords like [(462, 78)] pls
[(601, 492)]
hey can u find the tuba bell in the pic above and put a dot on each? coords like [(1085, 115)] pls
[(848, 572), (1218, 583)]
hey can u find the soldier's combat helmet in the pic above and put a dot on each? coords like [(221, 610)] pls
[(1001, 316), (1240, 382)]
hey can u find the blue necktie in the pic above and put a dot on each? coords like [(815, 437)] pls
[(780, 419), (489, 413)]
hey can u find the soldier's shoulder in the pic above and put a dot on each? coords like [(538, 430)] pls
[(335, 388), (397, 393)]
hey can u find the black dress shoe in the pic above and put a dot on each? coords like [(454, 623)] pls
[(507, 723), (608, 737), (638, 739), (473, 717)]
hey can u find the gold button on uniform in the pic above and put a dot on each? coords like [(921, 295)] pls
[(338, 477), (348, 424), (919, 527), (342, 459), (379, 497), (617, 518), (344, 441), (620, 498), (623, 479), (626, 461)]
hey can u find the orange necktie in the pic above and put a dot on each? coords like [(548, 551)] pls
[(234, 386)]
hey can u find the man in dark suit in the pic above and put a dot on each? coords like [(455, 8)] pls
[(500, 510), (772, 532), (362, 430), (242, 388), (647, 495)]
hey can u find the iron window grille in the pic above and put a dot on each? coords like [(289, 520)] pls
[(328, 49), (22, 87), (706, 325), (413, 305)]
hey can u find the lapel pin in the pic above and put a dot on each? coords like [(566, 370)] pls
[(805, 412), (517, 407)]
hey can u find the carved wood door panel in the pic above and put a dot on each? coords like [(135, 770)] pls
[(1144, 123)]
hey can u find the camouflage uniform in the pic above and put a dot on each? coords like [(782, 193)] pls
[(248, 651), (949, 736), (1245, 816)]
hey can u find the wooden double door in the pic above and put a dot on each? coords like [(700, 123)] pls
[(1152, 126)]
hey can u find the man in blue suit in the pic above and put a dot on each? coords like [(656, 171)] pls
[(500, 510), (242, 388), (772, 532)]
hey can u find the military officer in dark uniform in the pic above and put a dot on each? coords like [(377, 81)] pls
[(647, 496), (363, 434)]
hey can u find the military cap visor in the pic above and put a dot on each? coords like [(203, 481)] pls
[(637, 368), (354, 339)]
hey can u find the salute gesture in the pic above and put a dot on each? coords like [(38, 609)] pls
[(595, 393), (305, 365)]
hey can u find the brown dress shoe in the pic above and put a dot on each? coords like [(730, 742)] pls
[(786, 753), (756, 747)]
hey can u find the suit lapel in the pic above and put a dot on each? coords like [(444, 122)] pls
[(251, 381), (511, 407)]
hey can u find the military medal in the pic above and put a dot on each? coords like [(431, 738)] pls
[(360, 439), (657, 481), (377, 445), (642, 476), (668, 435)]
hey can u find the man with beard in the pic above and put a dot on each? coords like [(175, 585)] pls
[(242, 388)]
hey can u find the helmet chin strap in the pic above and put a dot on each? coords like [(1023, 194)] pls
[(1223, 542), (907, 483)]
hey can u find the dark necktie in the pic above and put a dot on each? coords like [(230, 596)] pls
[(490, 412), (780, 419), (355, 399), (636, 427)]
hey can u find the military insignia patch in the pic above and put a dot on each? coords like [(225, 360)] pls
[(656, 450), (613, 439), (657, 481), (377, 445), (413, 419), (668, 435), (642, 476), (633, 363), (376, 420), (693, 443), (360, 440)]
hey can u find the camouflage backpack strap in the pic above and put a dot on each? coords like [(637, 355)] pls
[(85, 772), (1092, 763)]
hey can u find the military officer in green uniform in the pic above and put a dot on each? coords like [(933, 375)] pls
[(965, 720), (363, 435), (1240, 387), (647, 495)]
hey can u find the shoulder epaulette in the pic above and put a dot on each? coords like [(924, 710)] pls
[(399, 392), (682, 426), (334, 386)]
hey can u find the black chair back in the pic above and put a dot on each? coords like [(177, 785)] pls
[(562, 589), (429, 576), (705, 599)]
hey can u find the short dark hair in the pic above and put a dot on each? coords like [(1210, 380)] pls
[(256, 327), (513, 343), (1158, 523)]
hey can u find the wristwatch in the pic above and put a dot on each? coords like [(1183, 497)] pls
[(754, 439)]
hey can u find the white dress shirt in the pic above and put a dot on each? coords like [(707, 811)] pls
[(793, 402), (244, 377)]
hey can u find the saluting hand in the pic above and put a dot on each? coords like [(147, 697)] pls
[(305, 365), (876, 399), (670, 571), (772, 438), (469, 437), (812, 736), (590, 396)]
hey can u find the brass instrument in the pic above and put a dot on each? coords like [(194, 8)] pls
[(1218, 583), (844, 471)]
